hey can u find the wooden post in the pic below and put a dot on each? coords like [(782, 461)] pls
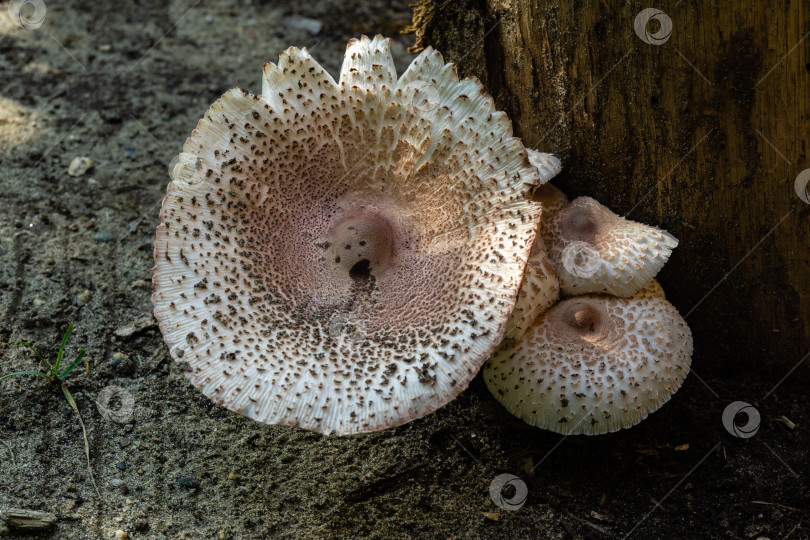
[(701, 130)]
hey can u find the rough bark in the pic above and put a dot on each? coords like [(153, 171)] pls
[(702, 135)]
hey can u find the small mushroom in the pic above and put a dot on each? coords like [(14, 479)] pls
[(593, 364), (548, 165), (344, 256), (597, 251)]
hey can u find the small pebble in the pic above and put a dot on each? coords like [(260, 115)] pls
[(123, 489), (38, 302), (297, 22), (121, 466), (188, 481), (120, 534), (80, 165), (102, 237), (117, 358), (141, 284), (116, 482), (231, 476), (141, 525), (83, 297), (209, 18)]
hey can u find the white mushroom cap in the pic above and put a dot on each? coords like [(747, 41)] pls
[(548, 165), (593, 364), (653, 289), (343, 257), (540, 288), (596, 251), (539, 291)]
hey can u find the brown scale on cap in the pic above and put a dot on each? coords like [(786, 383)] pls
[(343, 256), (597, 251), (594, 364)]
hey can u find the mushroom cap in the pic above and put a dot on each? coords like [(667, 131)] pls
[(343, 256), (548, 165), (593, 364), (551, 199), (540, 288), (653, 289), (597, 251)]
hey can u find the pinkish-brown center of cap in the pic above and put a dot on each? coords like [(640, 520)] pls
[(361, 245), (580, 223), (582, 319)]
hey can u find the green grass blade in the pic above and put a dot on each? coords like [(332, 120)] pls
[(30, 347), (62, 349), (72, 365), (18, 373), (69, 397)]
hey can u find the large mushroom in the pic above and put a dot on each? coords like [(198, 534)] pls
[(594, 364), (343, 256)]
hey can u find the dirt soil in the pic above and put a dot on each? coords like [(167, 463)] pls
[(124, 83)]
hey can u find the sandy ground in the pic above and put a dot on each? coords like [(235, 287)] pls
[(124, 84)]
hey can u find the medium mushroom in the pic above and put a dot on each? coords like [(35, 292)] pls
[(653, 289), (593, 364), (540, 288), (597, 251), (343, 256), (539, 291)]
